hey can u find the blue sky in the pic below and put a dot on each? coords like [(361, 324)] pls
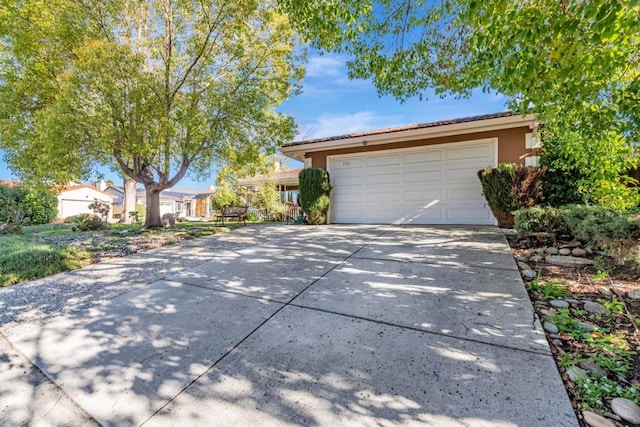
[(331, 104)]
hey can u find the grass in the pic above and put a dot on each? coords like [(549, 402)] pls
[(44, 250), (21, 259)]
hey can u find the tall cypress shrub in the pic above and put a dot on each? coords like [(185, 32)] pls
[(314, 194)]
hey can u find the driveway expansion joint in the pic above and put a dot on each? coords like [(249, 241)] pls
[(425, 331)]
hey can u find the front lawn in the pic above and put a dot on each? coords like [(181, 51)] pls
[(44, 250)]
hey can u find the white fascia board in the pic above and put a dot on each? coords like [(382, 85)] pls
[(298, 151)]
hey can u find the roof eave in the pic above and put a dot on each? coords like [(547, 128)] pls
[(298, 151)]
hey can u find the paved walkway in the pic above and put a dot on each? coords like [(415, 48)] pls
[(351, 325)]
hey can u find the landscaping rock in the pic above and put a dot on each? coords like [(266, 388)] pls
[(552, 251), (168, 220), (579, 252), (523, 266), (537, 258), (586, 326), (621, 292), (550, 327), (589, 250), (593, 368), (528, 274), (571, 245), (572, 301), (546, 313), (594, 307), (568, 260), (557, 343), (634, 294), (558, 303), (523, 258), (564, 251), (605, 291), (575, 373), (626, 409), (594, 420)]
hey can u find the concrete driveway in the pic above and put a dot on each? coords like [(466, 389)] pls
[(333, 325)]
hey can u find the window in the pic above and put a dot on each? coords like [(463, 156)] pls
[(178, 206)]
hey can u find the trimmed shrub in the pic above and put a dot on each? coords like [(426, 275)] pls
[(540, 219), (508, 187), (314, 194)]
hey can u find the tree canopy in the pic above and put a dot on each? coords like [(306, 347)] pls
[(156, 88), (575, 64)]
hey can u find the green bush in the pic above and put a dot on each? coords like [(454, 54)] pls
[(314, 194), (75, 219), (37, 205), (90, 223), (562, 177), (508, 187), (224, 196), (540, 219), (606, 228)]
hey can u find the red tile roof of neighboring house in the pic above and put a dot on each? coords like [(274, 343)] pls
[(404, 128), (9, 183), (288, 175)]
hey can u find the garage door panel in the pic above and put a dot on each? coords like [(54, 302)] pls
[(350, 163), (464, 194), (382, 161), (472, 152), (422, 157), (423, 176), (382, 197), (431, 185), (346, 180), (422, 196), (423, 215), (463, 174), (383, 178)]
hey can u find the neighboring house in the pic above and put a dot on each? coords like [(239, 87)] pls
[(118, 201), (187, 203), (75, 199), (418, 174), (286, 181)]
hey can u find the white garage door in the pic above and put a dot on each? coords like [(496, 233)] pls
[(428, 185)]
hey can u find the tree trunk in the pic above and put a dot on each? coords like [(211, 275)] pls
[(129, 204), (153, 219)]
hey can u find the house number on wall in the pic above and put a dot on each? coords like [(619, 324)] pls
[(346, 163)]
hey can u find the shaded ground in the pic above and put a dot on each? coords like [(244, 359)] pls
[(597, 352)]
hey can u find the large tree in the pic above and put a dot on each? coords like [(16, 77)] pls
[(157, 88), (574, 63)]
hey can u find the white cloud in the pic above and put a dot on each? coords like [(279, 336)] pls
[(339, 124), (326, 65)]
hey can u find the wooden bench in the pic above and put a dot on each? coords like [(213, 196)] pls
[(239, 212)]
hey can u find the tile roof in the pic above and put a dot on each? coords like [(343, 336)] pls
[(405, 128), (9, 183), (280, 176)]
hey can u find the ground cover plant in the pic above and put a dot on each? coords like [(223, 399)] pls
[(43, 250), (591, 316)]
